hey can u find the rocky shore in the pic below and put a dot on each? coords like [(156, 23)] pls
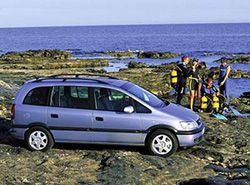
[(46, 59), (239, 59), (142, 54), (221, 158)]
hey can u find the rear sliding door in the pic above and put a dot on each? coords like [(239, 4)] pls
[(69, 116)]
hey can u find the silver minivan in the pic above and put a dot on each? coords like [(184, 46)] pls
[(100, 110)]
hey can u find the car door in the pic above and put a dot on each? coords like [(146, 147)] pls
[(110, 123), (69, 116)]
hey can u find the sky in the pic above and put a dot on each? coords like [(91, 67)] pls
[(34, 13)]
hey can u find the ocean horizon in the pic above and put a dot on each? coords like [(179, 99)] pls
[(97, 25)]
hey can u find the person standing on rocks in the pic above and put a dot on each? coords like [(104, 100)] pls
[(194, 82), (183, 73), (223, 79)]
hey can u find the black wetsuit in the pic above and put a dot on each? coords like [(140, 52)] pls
[(194, 81), (183, 74)]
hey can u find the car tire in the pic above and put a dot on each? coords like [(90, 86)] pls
[(162, 143), (39, 139)]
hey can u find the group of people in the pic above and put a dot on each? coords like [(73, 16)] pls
[(189, 73)]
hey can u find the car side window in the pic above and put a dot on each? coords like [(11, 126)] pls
[(71, 97), (38, 96), (111, 100)]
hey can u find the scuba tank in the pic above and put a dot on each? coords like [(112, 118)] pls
[(204, 103), (174, 75), (174, 78), (216, 103)]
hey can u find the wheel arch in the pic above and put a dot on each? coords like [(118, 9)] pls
[(160, 127)]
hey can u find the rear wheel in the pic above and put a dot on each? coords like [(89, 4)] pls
[(39, 139), (162, 143)]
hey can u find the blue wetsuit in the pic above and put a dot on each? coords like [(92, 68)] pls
[(224, 87), (205, 90)]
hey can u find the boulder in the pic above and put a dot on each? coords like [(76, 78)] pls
[(133, 64), (245, 95)]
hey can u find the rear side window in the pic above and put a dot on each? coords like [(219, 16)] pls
[(71, 97), (38, 96)]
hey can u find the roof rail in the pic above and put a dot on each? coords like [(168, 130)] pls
[(76, 76), (65, 79), (84, 74)]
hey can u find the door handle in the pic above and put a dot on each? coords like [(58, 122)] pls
[(99, 119), (54, 115)]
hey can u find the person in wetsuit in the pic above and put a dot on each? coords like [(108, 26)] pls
[(209, 89), (183, 73), (223, 79), (194, 81)]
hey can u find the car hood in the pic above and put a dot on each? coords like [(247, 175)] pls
[(179, 112)]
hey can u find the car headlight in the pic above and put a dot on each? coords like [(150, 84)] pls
[(188, 125)]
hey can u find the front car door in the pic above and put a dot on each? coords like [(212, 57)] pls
[(110, 123)]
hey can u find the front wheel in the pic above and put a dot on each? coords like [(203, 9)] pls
[(39, 139), (162, 143)]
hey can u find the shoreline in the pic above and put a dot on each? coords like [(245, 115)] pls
[(59, 59), (193, 52)]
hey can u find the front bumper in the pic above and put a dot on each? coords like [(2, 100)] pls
[(191, 138)]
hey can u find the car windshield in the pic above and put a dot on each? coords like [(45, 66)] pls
[(144, 95)]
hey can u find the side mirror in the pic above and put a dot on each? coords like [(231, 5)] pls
[(129, 109)]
